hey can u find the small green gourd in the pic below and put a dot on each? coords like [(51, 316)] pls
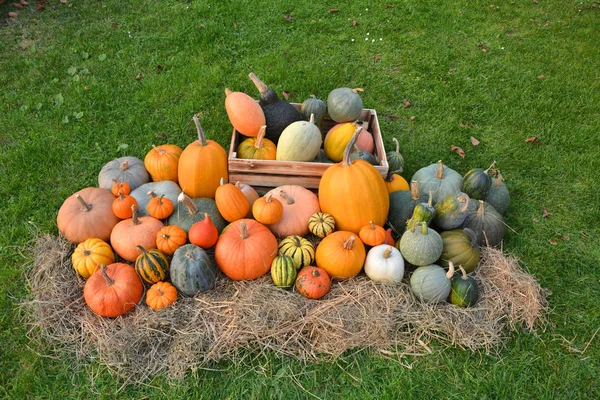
[(395, 159), (464, 291)]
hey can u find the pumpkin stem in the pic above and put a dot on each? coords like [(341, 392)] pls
[(260, 85), (388, 252), (358, 89), (481, 211), (372, 225), (429, 204), (491, 166), (349, 243), (87, 252), (85, 207), (134, 215), (160, 200), (159, 291), (440, 170), (347, 160), (124, 165), (464, 273), (315, 273), (297, 242), (140, 249), (397, 144), (151, 193), (222, 182), (160, 151), (464, 199), (424, 228), (243, 231), (109, 280), (187, 201), (259, 138), (312, 118), (414, 190), (498, 181), (287, 197), (121, 196), (227, 92), (450, 272), (269, 197), (471, 234), (201, 136)]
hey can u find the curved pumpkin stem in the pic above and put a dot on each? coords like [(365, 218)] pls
[(440, 171), (269, 197), (498, 181), (464, 273), (260, 85), (358, 89), (349, 243), (388, 252), (259, 138), (85, 207), (347, 160), (151, 193), (464, 199), (187, 201), (397, 144), (450, 272), (201, 136), (134, 215), (491, 166), (222, 182), (414, 190), (481, 211), (227, 92), (108, 279), (160, 151), (429, 203), (140, 249), (243, 231), (287, 197), (124, 165)]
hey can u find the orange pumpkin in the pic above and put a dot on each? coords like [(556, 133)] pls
[(267, 210), (389, 239), (258, 148), (395, 182), (201, 166), (231, 202), (299, 204), (341, 254), (87, 214), (372, 234), (245, 250), (204, 233), (313, 282), (169, 238), (133, 232), (90, 254), (121, 206), (161, 295), (244, 113), (113, 290), (354, 193), (120, 187), (162, 162), (160, 207)]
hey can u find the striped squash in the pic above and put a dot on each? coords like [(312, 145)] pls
[(299, 249), (152, 265), (321, 224), (283, 271)]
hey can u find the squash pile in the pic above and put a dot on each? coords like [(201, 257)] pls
[(167, 225)]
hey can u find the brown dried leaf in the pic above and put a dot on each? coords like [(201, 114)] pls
[(552, 242), (286, 94), (138, 76), (202, 26), (115, 25), (333, 10), (483, 47), (392, 117), (564, 237), (474, 141), (24, 2), (13, 14), (412, 118), (388, 5), (233, 23), (63, 1), (406, 103), (458, 151), (40, 6), (18, 5), (535, 1), (160, 137), (545, 213), (582, 233), (461, 125), (354, 23), (287, 17), (541, 76), (533, 139), (536, 219), (376, 58), (159, 68)]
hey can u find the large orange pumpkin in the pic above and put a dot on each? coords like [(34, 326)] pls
[(245, 250), (87, 214), (133, 232), (201, 166), (113, 290), (162, 162), (245, 114), (354, 192), (342, 254)]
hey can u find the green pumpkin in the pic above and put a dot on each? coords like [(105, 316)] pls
[(423, 212), (487, 223), (299, 249), (189, 211), (360, 154), (451, 212), (283, 271), (313, 106), (477, 182), (300, 141), (441, 180), (460, 247), (464, 291), (322, 158), (192, 270), (402, 205), (344, 104), (395, 159), (498, 195), (430, 283), (421, 246), (151, 265)]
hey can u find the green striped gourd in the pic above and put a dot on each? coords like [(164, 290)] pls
[(477, 182), (321, 224), (283, 271), (151, 265), (299, 249)]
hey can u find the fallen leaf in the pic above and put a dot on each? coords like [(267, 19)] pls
[(159, 136), (25, 3), (138, 76), (354, 23), (564, 237), (86, 88), (582, 233), (234, 24), (541, 76), (474, 141), (412, 118), (63, 1), (376, 58), (202, 26), (458, 151), (39, 7), (392, 117), (115, 25), (536, 219), (18, 5), (553, 242), (451, 71), (312, 21), (287, 17), (159, 67), (483, 48), (535, 1), (286, 94), (533, 139), (492, 6), (333, 10), (406, 103), (461, 125), (545, 213), (388, 5)]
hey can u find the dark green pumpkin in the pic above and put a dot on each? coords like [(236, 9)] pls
[(192, 270), (402, 205), (314, 106), (421, 246), (360, 154), (464, 291), (451, 212), (498, 195), (423, 212), (189, 211), (395, 159), (151, 265), (322, 158), (283, 271), (441, 180), (477, 182), (487, 223), (460, 247)]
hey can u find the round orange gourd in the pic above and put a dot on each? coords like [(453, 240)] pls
[(162, 162), (113, 290), (245, 250), (342, 254), (245, 114), (90, 254), (313, 282), (120, 187), (231, 202), (372, 234), (204, 233), (121, 206), (354, 193), (201, 166), (395, 182), (258, 148), (267, 210), (299, 204), (87, 214), (160, 207), (133, 232), (169, 238), (161, 295)]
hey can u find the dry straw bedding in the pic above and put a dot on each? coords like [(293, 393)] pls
[(258, 317)]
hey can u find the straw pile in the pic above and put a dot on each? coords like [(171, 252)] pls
[(235, 318)]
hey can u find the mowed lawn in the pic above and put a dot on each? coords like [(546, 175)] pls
[(84, 82)]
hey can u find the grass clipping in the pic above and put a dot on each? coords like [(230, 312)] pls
[(255, 315)]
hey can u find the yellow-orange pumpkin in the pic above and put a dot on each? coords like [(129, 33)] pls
[(162, 162), (90, 254)]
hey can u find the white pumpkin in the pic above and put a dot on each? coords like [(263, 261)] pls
[(384, 263), (431, 283), (300, 141)]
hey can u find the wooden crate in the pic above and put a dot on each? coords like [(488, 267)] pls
[(271, 173)]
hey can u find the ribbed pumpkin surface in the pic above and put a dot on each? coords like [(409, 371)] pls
[(283, 271), (152, 265), (299, 249), (321, 224)]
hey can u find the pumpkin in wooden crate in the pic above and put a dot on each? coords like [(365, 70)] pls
[(245, 250), (460, 247), (121, 205), (259, 148), (313, 282), (421, 245), (162, 162), (231, 202), (189, 211), (301, 250), (192, 270), (87, 214), (344, 104), (342, 254), (161, 295), (354, 193), (201, 166), (267, 210), (299, 141), (384, 263), (314, 106), (113, 290), (204, 233), (299, 204), (371, 234), (123, 169), (90, 254), (169, 238), (133, 232), (441, 180), (321, 224), (395, 159), (244, 113), (337, 139), (283, 271), (151, 265), (431, 284)]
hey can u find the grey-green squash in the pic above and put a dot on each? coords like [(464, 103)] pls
[(360, 154), (402, 205), (421, 246), (431, 283), (300, 141), (498, 195), (441, 180), (464, 291), (123, 169), (192, 270), (487, 223), (188, 211), (315, 106), (451, 212), (344, 104), (460, 247)]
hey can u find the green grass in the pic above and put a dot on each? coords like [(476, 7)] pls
[(69, 102)]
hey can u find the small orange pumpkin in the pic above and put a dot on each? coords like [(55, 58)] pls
[(120, 187), (258, 148), (204, 233), (372, 234), (267, 210), (121, 206), (231, 202), (341, 254), (161, 295), (160, 207), (162, 162), (313, 282), (395, 182), (169, 238)]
